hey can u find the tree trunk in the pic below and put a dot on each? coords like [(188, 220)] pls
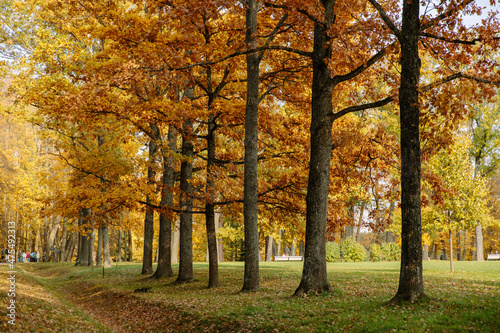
[(84, 249), (452, 269), (78, 248), (175, 242), (479, 243), (186, 204), (147, 258), (70, 248), (434, 250), (250, 207), (92, 245), (98, 260), (411, 283), (314, 275), (119, 246), (64, 241), (459, 247), (360, 220), (213, 262), (293, 250), (220, 241), (164, 268), (464, 248), (125, 240), (269, 248), (105, 247), (130, 246), (426, 252), (279, 242)]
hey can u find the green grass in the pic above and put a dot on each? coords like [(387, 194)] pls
[(465, 301)]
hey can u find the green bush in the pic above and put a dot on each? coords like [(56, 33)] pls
[(352, 250), (391, 251), (332, 251), (376, 253)]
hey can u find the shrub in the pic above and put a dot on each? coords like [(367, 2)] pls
[(332, 251), (352, 250), (391, 251), (376, 253)]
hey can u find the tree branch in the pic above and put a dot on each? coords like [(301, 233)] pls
[(361, 107), (386, 18), (455, 41)]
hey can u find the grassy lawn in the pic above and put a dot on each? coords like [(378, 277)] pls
[(465, 301)]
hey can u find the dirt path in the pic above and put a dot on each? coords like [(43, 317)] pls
[(38, 309), (78, 306)]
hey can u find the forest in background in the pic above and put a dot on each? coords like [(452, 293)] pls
[(126, 127)]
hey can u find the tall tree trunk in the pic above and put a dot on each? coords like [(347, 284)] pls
[(293, 250), (269, 248), (164, 268), (130, 246), (411, 283), (445, 253), (70, 248), (479, 243), (452, 269), (91, 248), (84, 250), (125, 240), (434, 250), (360, 219), (220, 241), (464, 247), (105, 246), (186, 204), (175, 242), (104, 256), (213, 262), (64, 241), (147, 258), (250, 192), (314, 275), (98, 260), (459, 246), (119, 246)]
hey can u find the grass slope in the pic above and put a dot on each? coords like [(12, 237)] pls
[(465, 301)]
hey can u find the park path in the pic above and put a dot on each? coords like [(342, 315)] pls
[(78, 306), (38, 309)]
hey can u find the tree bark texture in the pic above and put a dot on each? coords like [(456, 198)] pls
[(119, 246), (479, 243), (98, 259), (411, 284), (250, 192), (314, 275), (213, 262), (186, 204), (147, 258), (105, 247), (164, 268), (130, 246), (84, 253)]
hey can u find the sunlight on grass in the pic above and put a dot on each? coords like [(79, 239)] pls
[(467, 300)]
